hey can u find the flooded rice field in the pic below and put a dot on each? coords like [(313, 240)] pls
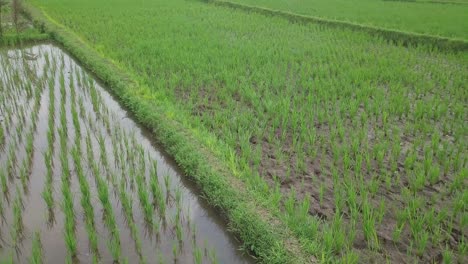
[(82, 183)]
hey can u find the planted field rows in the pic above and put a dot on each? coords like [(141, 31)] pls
[(80, 181), (446, 18)]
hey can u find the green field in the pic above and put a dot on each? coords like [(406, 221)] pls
[(357, 146), (426, 17)]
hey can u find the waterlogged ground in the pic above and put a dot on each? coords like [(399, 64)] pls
[(82, 183)]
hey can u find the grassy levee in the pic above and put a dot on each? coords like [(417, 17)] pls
[(394, 36), (442, 2), (12, 39), (261, 233), (25, 34), (436, 18)]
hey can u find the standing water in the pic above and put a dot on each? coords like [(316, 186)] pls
[(82, 183)]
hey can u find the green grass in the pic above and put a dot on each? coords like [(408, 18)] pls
[(327, 120), (426, 18)]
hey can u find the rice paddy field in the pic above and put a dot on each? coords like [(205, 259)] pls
[(445, 18), (296, 142), (82, 183)]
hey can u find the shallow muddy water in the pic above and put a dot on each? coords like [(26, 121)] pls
[(121, 200)]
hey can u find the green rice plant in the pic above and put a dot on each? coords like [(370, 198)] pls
[(70, 239), (2, 208), (62, 88), (410, 160), (160, 258), (463, 246), (127, 208), (276, 196), (422, 241), (126, 202), (290, 202), (85, 199), (396, 235), (17, 228), (167, 183), (459, 203), (114, 248), (19, 134), (158, 197), (178, 196), (380, 213), (212, 256), (93, 238), (156, 228), (175, 252), (117, 154), (48, 197), (9, 259), (11, 161), (352, 200), (2, 136), (369, 223), (103, 195), (3, 180), (333, 236), (107, 124), (48, 160), (103, 152), (373, 186), (447, 256), (36, 252), (417, 180), (76, 123), (457, 183), (197, 255), (138, 244), (142, 163), (29, 145), (24, 175), (51, 134), (63, 120), (50, 138), (81, 107), (95, 100), (67, 196), (179, 232), (144, 201)]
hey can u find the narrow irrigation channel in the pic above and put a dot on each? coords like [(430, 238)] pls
[(82, 183)]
